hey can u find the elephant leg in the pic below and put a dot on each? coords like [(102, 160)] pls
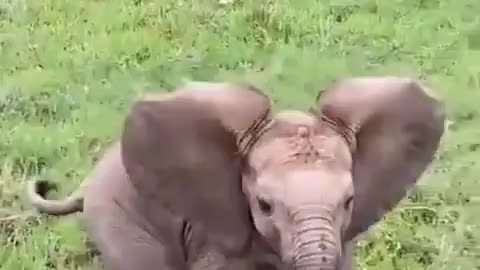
[(136, 251), (347, 258), (125, 243)]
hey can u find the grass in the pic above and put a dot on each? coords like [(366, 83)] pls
[(69, 69)]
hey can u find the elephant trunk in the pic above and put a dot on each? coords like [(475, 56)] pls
[(316, 247)]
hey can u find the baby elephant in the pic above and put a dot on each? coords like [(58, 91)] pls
[(311, 181), (314, 181), (179, 204), (317, 180)]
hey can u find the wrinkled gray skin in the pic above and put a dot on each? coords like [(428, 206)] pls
[(207, 228), (314, 181)]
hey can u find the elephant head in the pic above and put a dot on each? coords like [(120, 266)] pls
[(313, 180), (316, 180)]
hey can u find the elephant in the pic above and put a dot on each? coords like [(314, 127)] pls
[(199, 219), (313, 180), (316, 180)]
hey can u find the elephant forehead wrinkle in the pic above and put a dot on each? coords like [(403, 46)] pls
[(285, 153), (347, 131), (286, 146), (310, 150), (286, 124)]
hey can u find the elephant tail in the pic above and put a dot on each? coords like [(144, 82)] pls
[(37, 191)]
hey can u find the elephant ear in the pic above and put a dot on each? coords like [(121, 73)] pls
[(237, 105), (181, 154), (396, 126)]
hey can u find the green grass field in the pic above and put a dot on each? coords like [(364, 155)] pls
[(69, 70)]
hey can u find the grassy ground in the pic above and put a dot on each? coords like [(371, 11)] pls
[(68, 70)]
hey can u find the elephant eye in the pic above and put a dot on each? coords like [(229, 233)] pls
[(264, 206), (348, 202)]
